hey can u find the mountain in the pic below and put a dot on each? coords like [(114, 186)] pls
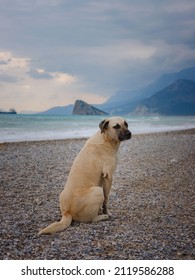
[(131, 97), (59, 110), (176, 99), (124, 101), (83, 108)]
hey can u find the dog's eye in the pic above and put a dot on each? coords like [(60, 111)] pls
[(117, 126), (126, 124)]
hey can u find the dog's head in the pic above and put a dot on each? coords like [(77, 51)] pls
[(116, 128)]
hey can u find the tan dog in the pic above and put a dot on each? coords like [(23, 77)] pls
[(87, 189)]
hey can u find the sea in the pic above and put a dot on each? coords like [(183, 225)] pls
[(17, 128)]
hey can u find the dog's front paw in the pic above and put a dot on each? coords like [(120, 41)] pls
[(106, 212), (109, 214)]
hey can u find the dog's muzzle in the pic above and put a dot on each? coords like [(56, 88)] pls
[(125, 136)]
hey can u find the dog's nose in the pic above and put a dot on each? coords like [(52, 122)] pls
[(128, 134)]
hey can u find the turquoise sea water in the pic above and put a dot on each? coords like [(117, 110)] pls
[(14, 128)]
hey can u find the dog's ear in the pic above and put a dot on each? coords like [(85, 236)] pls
[(103, 125)]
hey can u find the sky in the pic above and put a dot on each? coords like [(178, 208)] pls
[(53, 52)]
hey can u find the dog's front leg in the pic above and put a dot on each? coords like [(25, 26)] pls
[(107, 182)]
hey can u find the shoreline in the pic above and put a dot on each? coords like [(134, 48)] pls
[(151, 200), (187, 130)]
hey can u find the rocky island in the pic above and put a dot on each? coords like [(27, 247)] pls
[(83, 108)]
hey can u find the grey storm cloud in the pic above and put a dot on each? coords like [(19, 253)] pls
[(4, 61), (34, 73), (8, 78), (109, 44)]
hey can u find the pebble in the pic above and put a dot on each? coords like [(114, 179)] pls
[(152, 202)]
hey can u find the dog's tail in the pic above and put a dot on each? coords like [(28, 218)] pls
[(58, 226)]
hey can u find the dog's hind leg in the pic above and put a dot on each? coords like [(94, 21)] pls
[(89, 205)]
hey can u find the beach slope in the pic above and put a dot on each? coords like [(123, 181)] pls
[(152, 201)]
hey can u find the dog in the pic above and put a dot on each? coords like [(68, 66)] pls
[(85, 195)]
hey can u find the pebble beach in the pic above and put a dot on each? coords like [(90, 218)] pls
[(152, 202)]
